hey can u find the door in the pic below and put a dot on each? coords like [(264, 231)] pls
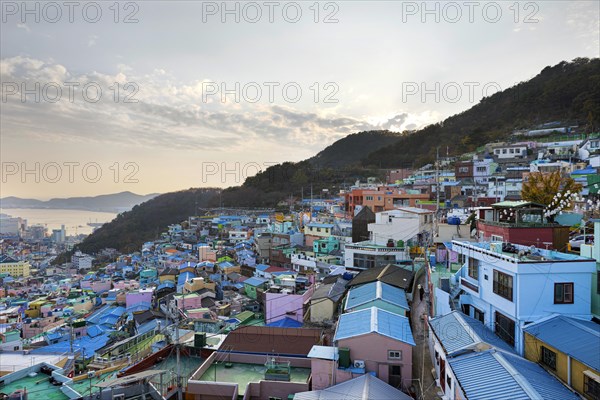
[(395, 376)]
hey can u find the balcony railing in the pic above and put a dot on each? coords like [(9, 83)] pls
[(469, 285), (518, 224)]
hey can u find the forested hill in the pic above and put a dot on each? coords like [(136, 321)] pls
[(353, 148), (568, 92), (146, 221)]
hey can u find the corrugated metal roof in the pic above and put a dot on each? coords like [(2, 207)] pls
[(323, 352), (497, 375), (453, 332), (255, 281), (577, 338), (365, 387), (363, 294), (374, 320)]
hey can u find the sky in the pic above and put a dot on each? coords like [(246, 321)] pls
[(156, 96)]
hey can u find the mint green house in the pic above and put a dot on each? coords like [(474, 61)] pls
[(326, 246)]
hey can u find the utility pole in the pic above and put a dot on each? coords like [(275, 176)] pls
[(179, 390), (437, 182)]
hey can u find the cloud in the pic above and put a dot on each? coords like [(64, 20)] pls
[(156, 110), (24, 27), (92, 40)]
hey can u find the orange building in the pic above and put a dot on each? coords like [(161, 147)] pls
[(381, 199)]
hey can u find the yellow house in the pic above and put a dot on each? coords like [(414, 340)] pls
[(569, 348), (9, 265), (324, 301), (195, 284), (35, 307)]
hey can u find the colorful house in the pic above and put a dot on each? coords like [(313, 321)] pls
[(253, 286), (390, 359), (570, 349)]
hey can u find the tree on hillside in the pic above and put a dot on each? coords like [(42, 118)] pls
[(553, 190)]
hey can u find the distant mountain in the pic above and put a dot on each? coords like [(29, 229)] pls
[(352, 149), (567, 92), (116, 202)]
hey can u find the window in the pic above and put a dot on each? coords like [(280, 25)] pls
[(369, 198), (477, 314), (548, 358), (318, 229), (497, 151), (505, 328), (503, 285), (449, 381), (563, 293), (394, 355), (473, 269), (497, 238), (591, 387), (503, 151)]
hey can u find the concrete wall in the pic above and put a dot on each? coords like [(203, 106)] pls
[(376, 357), (264, 389), (322, 373), (200, 390)]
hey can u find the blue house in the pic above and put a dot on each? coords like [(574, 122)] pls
[(471, 362), (377, 294), (507, 286)]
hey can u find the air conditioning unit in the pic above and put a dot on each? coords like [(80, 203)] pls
[(359, 364)]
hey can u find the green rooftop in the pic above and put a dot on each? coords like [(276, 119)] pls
[(242, 374), (38, 387)]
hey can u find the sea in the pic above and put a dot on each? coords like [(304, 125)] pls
[(75, 221)]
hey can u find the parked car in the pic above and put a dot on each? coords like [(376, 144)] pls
[(578, 240)]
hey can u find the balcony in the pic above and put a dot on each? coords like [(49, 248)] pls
[(517, 224), (469, 285)]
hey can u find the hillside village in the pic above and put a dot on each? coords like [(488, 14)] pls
[(441, 282)]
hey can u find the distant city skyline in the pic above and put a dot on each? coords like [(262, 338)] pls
[(152, 116)]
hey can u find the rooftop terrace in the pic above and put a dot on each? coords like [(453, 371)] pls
[(518, 253), (242, 374)]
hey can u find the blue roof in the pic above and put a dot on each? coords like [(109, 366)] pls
[(457, 331), (85, 344), (363, 294), (105, 312), (578, 338), (255, 281), (286, 322), (96, 330), (262, 267), (166, 284), (184, 277), (493, 374), (374, 320), (318, 225)]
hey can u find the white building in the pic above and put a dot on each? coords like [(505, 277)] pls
[(405, 223), (12, 225), (81, 261), (507, 290), (510, 151)]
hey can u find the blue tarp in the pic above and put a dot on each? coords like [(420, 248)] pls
[(286, 322)]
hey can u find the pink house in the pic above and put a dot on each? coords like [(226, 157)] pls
[(188, 301), (377, 341), (281, 305)]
